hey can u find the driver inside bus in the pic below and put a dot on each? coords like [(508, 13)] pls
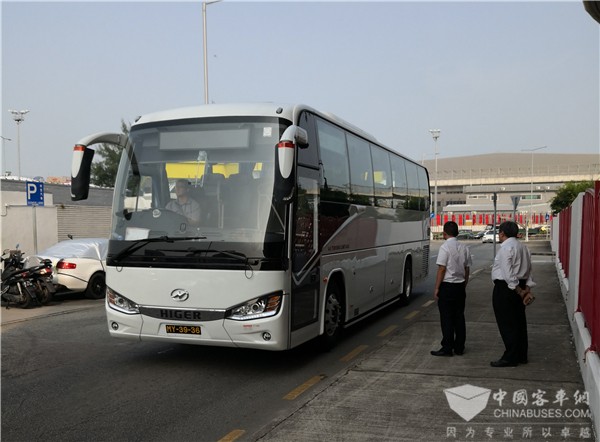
[(184, 204)]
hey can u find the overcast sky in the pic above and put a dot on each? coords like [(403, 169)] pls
[(494, 77)]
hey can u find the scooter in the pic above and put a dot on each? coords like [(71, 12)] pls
[(25, 287), (17, 287), (12, 259), (41, 273)]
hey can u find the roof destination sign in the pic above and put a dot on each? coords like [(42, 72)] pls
[(35, 193)]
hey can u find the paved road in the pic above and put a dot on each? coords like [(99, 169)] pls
[(400, 392), (379, 384)]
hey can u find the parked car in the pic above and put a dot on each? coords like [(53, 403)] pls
[(79, 265), (465, 234), (488, 236), (479, 235)]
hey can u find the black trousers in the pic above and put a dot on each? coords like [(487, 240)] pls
[(511, 320), (451, 303)]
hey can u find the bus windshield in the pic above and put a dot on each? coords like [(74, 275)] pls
[(207, 180)]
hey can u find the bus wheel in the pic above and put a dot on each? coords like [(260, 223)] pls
[(333, 316), (407, 284)]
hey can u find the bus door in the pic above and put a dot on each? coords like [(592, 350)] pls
[(305, 256), (306, 265)]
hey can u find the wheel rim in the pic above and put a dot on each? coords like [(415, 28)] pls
[(96, 286), (332, 314), (45, 293)]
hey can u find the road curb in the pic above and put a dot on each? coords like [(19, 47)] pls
[(15, 315)]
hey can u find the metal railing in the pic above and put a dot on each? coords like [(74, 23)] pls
[(589, 282)]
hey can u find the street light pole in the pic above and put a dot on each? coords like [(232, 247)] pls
[(204, 47), (435, 133), (19, 117), (531, 191), (4, 154)]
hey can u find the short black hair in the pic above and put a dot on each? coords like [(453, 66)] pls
[(509, 228), (451, 228)]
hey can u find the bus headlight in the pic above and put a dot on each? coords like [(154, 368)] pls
[(257, 308), (121, 303)]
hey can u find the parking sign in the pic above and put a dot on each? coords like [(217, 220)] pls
[(35, 193)]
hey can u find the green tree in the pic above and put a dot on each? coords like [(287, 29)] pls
[(567, 193), (104, 171)]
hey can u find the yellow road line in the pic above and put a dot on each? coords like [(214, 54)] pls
[(354, 353), (387, 331), (412, 314), (235, 434), (302, 388), (428, 303)]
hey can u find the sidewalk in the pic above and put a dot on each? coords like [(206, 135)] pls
[(396, 393), (60, 305)]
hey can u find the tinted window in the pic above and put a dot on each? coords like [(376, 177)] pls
[(308, 155), (412, 178), (361, 173), (382, 176), (334, 159), (423, 188), (399, 181)]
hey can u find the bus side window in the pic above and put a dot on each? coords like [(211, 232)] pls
[(412, 178), (309, 156), (382, 177), (361, 172), (334, 160), (399, 186), (424, 188)]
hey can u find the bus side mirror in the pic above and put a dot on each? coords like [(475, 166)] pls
[(80, 172), (294, 136), (81, 164)]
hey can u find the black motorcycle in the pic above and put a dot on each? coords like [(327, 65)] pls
[(17, 283), (25, 287), (42, 275)]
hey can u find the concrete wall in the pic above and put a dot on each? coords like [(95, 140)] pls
[(31, 228), (35, 229)]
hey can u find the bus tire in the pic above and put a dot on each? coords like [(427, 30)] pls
[(407, 284), (333, 316)]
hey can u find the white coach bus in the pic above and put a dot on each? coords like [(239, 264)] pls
[(299, 225)]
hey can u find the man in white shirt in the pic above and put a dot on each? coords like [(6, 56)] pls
[(511, 274), (453, 261), (184, 204)]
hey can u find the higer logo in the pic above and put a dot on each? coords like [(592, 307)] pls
[(467, 400), (180, 295)]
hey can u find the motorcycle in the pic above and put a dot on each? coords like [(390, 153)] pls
[(17, 283), (42, 276), (25, 287)]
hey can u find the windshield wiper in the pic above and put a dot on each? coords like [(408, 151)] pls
[(143, 242), (239, 256)]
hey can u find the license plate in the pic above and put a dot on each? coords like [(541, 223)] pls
[(183, 329)]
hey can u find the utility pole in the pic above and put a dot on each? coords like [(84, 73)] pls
[(204, 46), (435, 133), (19, 117)]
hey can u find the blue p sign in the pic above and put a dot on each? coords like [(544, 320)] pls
[(35, 193)]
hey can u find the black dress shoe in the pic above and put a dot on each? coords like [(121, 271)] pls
[(523, 361), (441, 352), (459, 352), (503, 363)]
